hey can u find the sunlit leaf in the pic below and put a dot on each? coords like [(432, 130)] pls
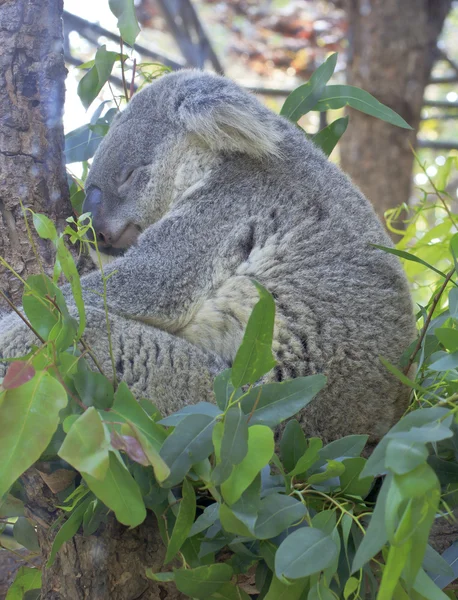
[(338, 96), (305, 97), (29, 416), (127, 24)]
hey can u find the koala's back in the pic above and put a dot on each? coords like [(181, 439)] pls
[(305, 232)]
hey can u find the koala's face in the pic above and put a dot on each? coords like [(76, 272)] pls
[(131, 182), (128, 159)]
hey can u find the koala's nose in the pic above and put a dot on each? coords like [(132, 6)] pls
[(93, 204), (93, 201)]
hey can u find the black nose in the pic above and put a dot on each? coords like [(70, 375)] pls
[(93, 201), (93, 204)]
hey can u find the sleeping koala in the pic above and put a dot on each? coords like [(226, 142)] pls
[(196, 190)]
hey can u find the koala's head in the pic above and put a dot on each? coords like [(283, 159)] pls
[(131, 182)]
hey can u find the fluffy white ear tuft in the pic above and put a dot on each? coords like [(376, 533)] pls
[(231, 122)]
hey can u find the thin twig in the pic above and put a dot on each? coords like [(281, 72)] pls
[(91, 353), (429, 316), (114, 97), (124, 84), (19, 314), (132, 82)]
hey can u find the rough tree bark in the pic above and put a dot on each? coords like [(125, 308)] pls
[(111, 564), (392, 49)]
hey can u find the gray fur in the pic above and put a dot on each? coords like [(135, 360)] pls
[(225, 191)]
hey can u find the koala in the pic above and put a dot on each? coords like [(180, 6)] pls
[(198, 189)]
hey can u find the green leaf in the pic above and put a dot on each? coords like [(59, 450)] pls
[(403, 456), (334, 468), (67, 264), (229, 591), (68, 530), (350, 481), (277, 513), (376, 534), (350, 587), (254, 357), (234, 444), (232, 524), (93, 81), (223, 389), (203, 521), (309, 458), (261, 447), (93, 516), (183, 524), (320, 591), (338, 96), (201, 408), (292, 444), (303, 553), (44, 227), (126, 408), (327, 138), (202, 581), (120, 492), (29, 416), (285, 591), (427, 588), (26, 579), (448, 337), (411, 257), (11, 507), (149, 434), (41, 312), (189, 443), (24, 533), (86, 446), (305, 97), (446, 363), (127, 24), (94, 389), (376, 463), (241, 517), (272, 403)]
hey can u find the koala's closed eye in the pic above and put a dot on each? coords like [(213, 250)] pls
[(125, 175)]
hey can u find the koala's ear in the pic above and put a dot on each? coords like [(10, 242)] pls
[(230, 121)]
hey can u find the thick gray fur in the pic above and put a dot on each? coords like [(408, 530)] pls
[(225, 191)]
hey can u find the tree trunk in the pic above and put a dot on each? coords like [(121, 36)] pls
[(111, 564), (392, 49)]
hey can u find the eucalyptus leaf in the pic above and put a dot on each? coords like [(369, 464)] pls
[(305, 97), (189, 443), (128, 26), (254, 357), (120, 492), (202, 581), (26, 579), (86, 446), (29, 416), (303, 553), (327, 138), (273, 403), (277, 512), (68, 530), (338, 96)]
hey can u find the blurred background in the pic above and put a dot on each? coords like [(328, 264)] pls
[(403, 53)]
